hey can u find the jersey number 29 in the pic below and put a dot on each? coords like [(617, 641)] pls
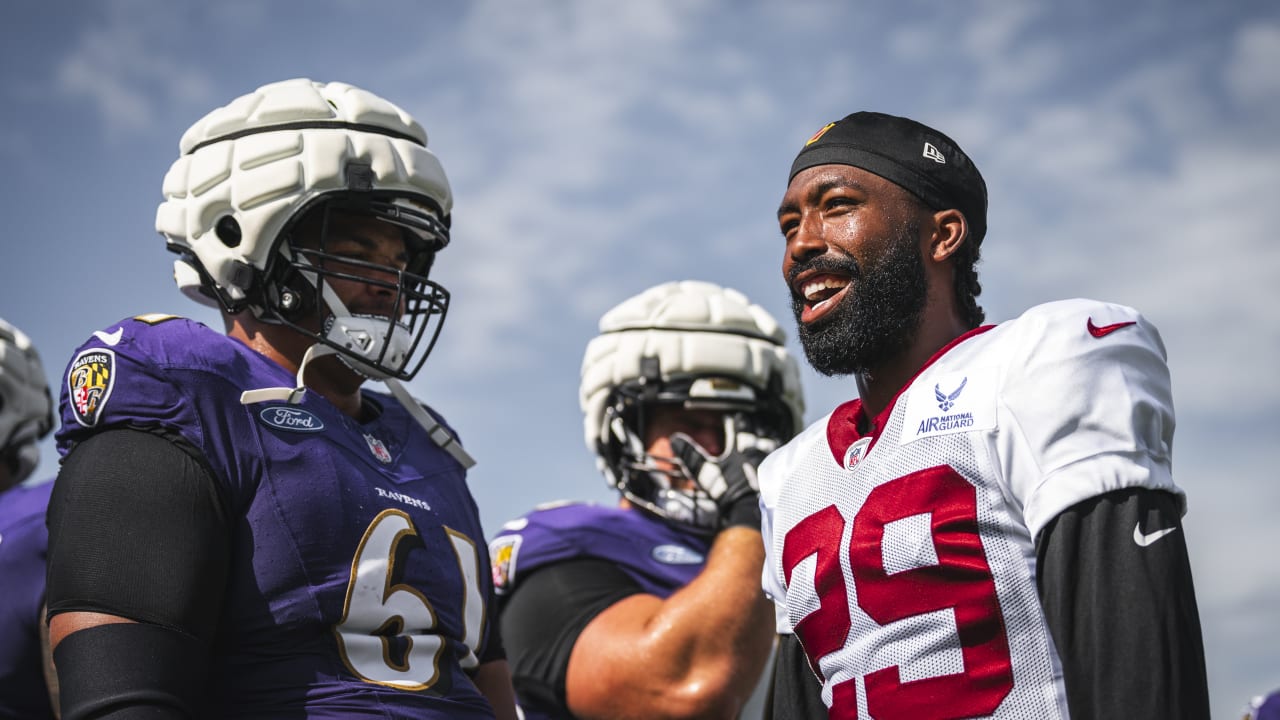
[(961, 581)]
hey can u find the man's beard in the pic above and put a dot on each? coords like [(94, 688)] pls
[(879, 315)]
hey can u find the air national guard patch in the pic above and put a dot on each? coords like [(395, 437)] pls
[(89, 381), (956, 402)]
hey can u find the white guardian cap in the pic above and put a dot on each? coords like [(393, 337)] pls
[(249, 171), (692, 344), (26, 407)]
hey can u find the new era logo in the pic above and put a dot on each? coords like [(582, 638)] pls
[(932, 153)]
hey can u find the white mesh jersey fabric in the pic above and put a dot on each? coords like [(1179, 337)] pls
[(912, 574)]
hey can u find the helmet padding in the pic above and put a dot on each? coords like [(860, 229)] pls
[(690, 343), (26, 406)]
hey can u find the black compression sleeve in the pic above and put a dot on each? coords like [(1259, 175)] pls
[(130, 671), (1118, 596), (543, 617), (494, 649), (796, 693), (137, 529)]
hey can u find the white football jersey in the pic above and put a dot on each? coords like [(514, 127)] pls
[(904, 558)]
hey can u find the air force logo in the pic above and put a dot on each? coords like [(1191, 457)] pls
[(89, 382), (948, 400), (948, 403)]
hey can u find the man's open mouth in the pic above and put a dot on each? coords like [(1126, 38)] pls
[(821, 293)]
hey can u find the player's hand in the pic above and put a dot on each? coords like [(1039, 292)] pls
[(728, 479)]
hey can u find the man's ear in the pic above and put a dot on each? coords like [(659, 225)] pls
[(950, 231)]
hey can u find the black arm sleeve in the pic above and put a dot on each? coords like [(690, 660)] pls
[(494, 649), (130, 671), (542, 619), (137, 529), (796, 693), (1118, 597)]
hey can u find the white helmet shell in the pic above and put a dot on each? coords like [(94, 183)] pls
[(26, 407), (694, 329), (265, 157)]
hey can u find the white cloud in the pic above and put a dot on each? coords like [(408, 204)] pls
[(996, 36), (583, 104), (120, 66), (1251, 72)]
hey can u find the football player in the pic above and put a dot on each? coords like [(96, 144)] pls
[(991, 529), (240, 529), (653, 608), (26, 416), (1263, 707)]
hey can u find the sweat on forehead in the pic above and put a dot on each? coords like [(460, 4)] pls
[(914, 156)]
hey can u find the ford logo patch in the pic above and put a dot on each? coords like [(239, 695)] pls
[(676, 555), (291, 418)]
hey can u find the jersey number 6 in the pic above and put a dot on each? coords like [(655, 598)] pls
[(961, 581), (378, 608)]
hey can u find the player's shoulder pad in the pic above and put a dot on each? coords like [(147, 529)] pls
[(774, 469), (1078, 328), (1080, 318), (145, 349), (154, 334), (541, 534)]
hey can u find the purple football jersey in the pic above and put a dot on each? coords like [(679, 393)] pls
[(359, 584), (1265, 708), (660, 557), (23, 543)]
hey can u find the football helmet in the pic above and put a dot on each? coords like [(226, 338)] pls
[(694, 345), (26, 407), (1263, 707), (251, 171)]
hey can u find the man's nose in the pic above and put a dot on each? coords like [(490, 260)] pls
[(808, 239)]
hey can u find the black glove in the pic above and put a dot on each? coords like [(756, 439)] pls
[(730, 479)]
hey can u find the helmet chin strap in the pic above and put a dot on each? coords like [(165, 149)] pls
[(439, 435)]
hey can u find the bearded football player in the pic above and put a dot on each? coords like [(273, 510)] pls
[(991, 528)]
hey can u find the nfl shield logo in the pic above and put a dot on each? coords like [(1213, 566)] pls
[(856, 452), (378, 449)]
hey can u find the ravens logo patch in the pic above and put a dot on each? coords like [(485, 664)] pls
[(89, 382)]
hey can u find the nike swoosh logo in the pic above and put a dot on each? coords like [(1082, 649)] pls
[(1106, 330), (109, 338), (1145, 539)]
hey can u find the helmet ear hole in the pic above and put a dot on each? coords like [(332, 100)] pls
[(228, 231), (293, 296)]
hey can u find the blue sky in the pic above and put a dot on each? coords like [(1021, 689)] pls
[(598, 148)]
